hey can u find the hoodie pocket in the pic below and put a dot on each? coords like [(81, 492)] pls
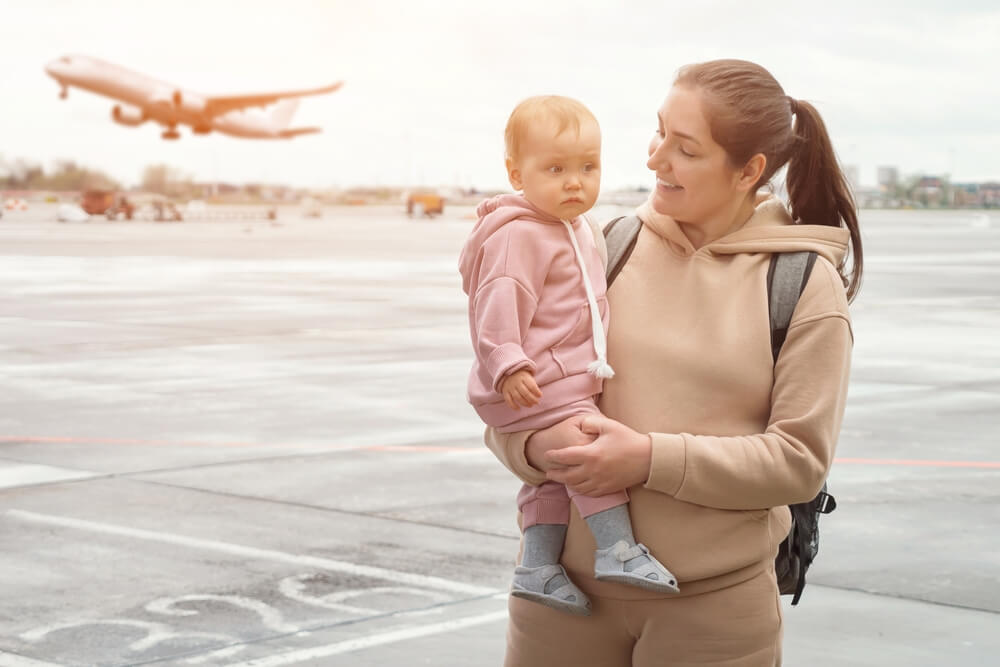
[(575, 351)]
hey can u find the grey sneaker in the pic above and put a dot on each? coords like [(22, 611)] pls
[(529, 583), (609, 565)]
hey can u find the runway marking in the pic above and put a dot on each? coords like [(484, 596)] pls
[(24, 474), (270, 617), (156, 633), (380, 639), (408, 448), (14, 660), (395, 576), (301, 448), (127, 441), (294, 588)]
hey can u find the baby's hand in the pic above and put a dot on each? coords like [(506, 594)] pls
[(519, 388)]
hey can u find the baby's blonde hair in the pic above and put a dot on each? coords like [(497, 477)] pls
[(566, 111)]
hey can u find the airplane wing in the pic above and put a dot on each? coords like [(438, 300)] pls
[(216, 106)]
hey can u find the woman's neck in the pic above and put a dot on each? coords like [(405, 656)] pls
[(725, 221)]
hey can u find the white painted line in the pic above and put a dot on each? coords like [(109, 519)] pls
[(390, 637), (12, 660), (270, 617), (25, 474), (405, 578)]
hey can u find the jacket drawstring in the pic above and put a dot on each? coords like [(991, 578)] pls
[(600, 366)]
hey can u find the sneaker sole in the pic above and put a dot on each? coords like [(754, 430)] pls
[(549, 601), (638, 582)]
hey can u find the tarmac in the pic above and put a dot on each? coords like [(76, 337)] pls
[(247, 443)]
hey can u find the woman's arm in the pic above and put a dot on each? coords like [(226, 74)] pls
[(789, 462), (523, 452), (785, 464)]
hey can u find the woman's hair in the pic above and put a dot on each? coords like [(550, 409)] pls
[(749, 113), (567, 112)]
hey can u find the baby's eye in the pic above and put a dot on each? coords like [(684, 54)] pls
[(555, 169), (589, 167)]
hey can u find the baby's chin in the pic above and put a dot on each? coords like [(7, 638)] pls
[(569, 211)]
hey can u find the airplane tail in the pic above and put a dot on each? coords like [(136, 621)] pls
[(283, 111), (282, 116)]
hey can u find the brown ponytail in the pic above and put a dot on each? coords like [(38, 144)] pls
[(749, 113), (817, 190)]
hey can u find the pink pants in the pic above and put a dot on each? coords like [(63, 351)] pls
[(549, 503)]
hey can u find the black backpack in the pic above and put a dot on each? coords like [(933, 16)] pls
[(786, 278)]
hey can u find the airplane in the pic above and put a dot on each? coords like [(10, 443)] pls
[(144, 98)]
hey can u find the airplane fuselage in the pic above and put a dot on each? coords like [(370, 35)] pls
[(145, 98)]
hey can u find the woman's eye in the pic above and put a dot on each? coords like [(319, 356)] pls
[(685, 153)]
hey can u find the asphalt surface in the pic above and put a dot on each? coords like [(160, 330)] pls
[(247, 443)]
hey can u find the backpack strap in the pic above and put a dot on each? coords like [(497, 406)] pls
[(786, 278), (620, 235)]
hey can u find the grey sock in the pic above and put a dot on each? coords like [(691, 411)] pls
[(612, 526), (543, 545)]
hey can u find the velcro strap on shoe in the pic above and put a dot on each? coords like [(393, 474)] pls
[(628, 553)]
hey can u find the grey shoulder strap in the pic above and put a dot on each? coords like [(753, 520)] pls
[(786, 278), (620, 235)]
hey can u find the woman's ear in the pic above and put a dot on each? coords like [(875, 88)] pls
[(514, 174), (751, 172)]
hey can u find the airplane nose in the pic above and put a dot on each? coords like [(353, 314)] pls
[(57, 67)]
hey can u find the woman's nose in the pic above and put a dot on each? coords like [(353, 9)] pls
[(656, 155)]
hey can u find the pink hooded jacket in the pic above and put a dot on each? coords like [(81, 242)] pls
[(528, 306)]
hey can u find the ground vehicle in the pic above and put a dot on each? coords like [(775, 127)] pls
[(105, 202), (424, 203), (96, 202)]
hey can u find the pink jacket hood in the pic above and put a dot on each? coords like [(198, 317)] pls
[(493, 214)]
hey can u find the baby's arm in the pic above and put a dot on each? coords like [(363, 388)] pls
[(503, 309), (519, 388)]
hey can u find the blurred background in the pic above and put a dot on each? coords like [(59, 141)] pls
[(906, 88)]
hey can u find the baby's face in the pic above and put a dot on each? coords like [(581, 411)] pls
[(560, 173)]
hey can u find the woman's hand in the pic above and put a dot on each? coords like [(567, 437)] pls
[(567, 433), (616, 459)]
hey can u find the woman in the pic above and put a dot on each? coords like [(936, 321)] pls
[(711, 437)]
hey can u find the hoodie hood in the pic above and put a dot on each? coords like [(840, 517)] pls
[(770, 229), (493, 214)]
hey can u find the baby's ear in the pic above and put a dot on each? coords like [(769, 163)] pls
[(513, 174)]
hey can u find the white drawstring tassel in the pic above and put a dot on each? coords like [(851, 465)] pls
[(600, 367)]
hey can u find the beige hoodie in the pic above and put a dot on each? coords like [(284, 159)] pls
[(735, 438)]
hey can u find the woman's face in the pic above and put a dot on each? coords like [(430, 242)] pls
[(694, 179)]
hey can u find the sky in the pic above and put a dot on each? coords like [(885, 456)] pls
[(428, 85)]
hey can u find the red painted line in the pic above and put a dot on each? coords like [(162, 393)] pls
[(440, 448), (918, 462), (126, 441), (165, 443), (418, 448)]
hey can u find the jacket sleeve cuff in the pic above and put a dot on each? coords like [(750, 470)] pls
[(667, 462), (506, 359), (509, 448)]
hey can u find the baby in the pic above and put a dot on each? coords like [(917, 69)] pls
[(538, 318)]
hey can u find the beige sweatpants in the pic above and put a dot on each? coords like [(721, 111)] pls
[(739, 626)]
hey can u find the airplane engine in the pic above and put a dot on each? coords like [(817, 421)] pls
[(124, 114), (186, 104)]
